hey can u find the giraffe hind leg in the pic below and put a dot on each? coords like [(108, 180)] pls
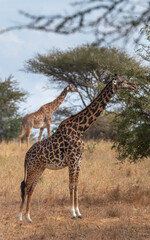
[(27, 190), (22, 132), (31, 183), (23, 195)]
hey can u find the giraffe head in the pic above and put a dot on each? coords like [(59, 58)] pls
[(121, 83), (71, 88)]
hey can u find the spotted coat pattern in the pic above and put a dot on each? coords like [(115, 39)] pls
[(65, 147)]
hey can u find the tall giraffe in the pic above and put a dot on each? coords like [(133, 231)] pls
[(42, 118), (65, 147)]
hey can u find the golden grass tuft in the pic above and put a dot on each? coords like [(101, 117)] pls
[(114, 198)]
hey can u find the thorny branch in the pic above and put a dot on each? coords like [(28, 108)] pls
[(108, 20)]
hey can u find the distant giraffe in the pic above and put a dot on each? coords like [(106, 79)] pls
[(65, 147), (42, 118)]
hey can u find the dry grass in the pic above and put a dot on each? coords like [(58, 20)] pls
[(113, 198)]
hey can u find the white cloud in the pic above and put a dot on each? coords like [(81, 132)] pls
[(11, 38)]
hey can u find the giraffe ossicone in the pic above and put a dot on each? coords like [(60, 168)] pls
[(65, 147)]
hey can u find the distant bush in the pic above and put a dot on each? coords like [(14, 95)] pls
[(10, 97), (103, 128)]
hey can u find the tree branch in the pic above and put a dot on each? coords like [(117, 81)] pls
[(111, 19)]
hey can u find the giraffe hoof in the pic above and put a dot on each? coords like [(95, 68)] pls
[(20, 217), (74, 217), (28, 218), (80, 217)]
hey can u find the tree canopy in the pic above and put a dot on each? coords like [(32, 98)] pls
[(10, 97), (133, 122), (86, 67), (89, 68)]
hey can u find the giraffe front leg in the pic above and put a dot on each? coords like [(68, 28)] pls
[(76, 203), (40, 134), (72, 210), (48, 130), (48, 121), (72, 190), (76, 192)]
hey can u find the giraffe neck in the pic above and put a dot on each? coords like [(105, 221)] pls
[(56, 103), (83, 120)]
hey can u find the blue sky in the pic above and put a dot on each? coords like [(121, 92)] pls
[(18, 46)]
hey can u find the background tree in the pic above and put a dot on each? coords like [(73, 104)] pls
[(103, 128), (10, 97), (89, 69), (133, 122), (108, 21), (144, 50)]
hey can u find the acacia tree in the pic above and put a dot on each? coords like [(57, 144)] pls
[(144, 50), (133, 122), (89, 68), (107, 20), (10, 97)]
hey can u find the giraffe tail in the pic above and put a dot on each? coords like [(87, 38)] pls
[(23, 190), (23, 184)]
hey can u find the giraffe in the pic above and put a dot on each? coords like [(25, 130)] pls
[(42, 118), (65, 148)]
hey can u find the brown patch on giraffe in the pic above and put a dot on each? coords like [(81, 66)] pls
[(65, 147)]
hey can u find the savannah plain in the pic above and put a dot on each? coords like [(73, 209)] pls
[(114, 198)]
